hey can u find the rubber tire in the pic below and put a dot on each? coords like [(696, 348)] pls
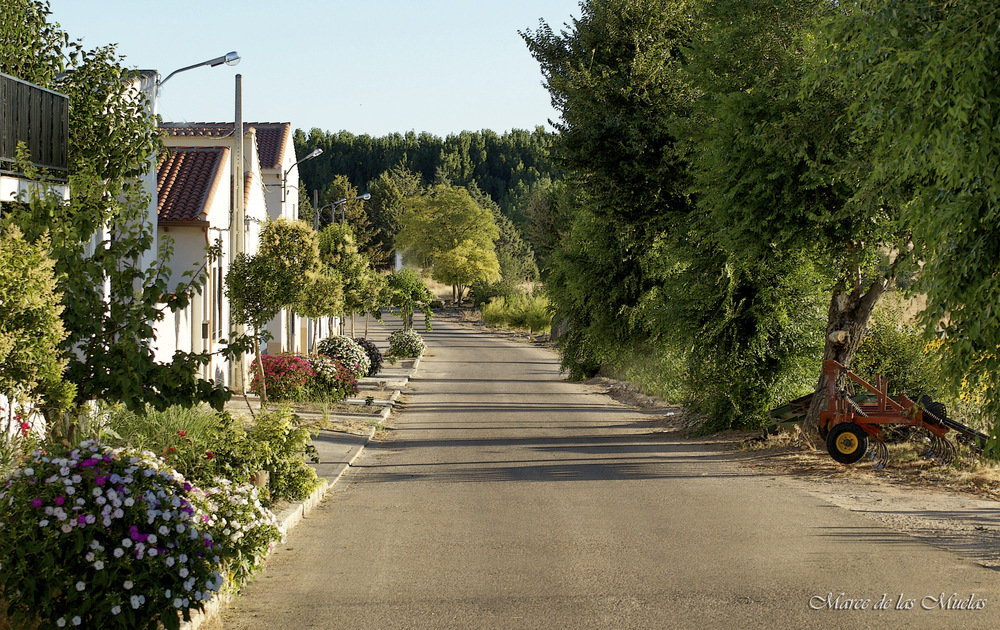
[(847, 443)]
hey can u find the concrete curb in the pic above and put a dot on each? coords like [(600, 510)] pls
[(291, 516)]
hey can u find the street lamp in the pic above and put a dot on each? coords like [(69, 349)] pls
[(284, 176), (333, 210), (230, 59), (343, 211)]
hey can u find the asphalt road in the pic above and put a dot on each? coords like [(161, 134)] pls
[(509, 498)]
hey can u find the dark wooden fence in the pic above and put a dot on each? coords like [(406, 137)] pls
[(37, 117)]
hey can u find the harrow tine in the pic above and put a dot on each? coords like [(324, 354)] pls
[(879, 454)]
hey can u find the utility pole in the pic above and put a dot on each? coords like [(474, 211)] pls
[(239, 221)]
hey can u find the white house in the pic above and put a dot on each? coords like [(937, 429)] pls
[(195, 210), (270, 164)]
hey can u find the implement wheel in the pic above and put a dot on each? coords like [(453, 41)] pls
[(847, 442)]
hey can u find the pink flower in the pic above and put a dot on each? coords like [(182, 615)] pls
[(36, 502)]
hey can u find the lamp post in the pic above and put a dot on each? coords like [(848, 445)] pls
[(333, 210), (343, 211), (284, 176)]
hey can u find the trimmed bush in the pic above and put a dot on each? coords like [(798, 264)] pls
[(374, 355), (285, 376), (333, 380), (406, 343), (348, 352)]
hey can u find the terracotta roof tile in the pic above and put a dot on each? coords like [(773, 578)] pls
[(271, 137), (186, 180)]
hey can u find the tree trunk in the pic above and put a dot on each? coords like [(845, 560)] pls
[(260, 372), (846, 325), (454, 294), (352, 324)]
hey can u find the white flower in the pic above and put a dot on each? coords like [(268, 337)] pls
[(164, 530), (135, 601), (61, 622), (183, 572), (81, 586), (177, 602), (116, 610), (66, 528), (29, 471), (170, 561), (127, 584), (43, 523), (118, 552), (77, 621), (99, 565)]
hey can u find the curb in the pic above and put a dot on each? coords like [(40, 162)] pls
[(291, 516)]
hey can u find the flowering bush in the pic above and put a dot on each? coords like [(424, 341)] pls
[(333, 380), (406, 343), (96, 537), (241, 526), (348, 352), (374, 355), (285, 376)]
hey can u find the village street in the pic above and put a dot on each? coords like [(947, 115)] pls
[(506, 497)]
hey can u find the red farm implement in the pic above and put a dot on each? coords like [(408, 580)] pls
[(856, 424)]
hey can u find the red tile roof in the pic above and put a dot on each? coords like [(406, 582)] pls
[(271, 137), (186, 180)]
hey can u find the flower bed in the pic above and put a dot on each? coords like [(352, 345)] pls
[(97, 537)]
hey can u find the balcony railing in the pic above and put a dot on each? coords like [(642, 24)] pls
[(39, 118)]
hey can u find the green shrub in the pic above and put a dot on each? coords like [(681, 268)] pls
[(333, 381), (406, 343), (899, 352), (347, 351), (533, 313), (285, 376)]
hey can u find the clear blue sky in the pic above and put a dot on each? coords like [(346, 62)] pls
[(365, 66)]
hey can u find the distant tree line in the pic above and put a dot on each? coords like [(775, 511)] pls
[(504, 166)]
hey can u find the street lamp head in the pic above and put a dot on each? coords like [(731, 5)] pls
[(315, 153), (366, 196), (230, 59)]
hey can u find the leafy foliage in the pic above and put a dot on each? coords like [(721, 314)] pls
[(446, 232), (921, 76), (30, 328), (100, 238), (406, 291)]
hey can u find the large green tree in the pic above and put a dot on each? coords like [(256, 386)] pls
[(921, 76), (100, 239), (448, 233)]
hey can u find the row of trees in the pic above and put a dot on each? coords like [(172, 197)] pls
[(748, 178)]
